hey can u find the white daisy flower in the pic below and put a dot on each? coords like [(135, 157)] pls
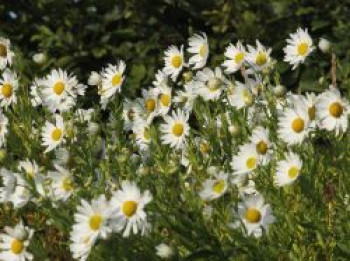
[(31, 169), (95, 79), (259, 57), (236, 56), (332, 111), (215, 187), (288, 170), (306, 102), (146, 107), (164, 99), (143, 134), (8, 88), (198, 45), (244, 185), (6, 55), (255, 215), (210, 83), (14, 243), (3, 128), (260, 137), (246, 160), (164, 251), (112, 80), (293, 125), (161, 79), (92, 222), (15, 189), (129, 204), (187, 97), (239, 95), (175, 129), (59, 90), (174, 62), (53, 134), (62, 183), (299, 46)]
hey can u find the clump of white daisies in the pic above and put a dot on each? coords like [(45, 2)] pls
[(174, 117)]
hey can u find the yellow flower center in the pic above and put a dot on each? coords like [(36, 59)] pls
[(298, 125), (247, 97), (293, 172), (214, 84), (56, 134), (302, 49), (203, 50), (336, 109), (30, 174), (312, 112), (150, 105), (3, 50), (6, 90), (117, 78), (176, 61), (219, 186), (59, 87), (178, 129), (67, 184), (95, 222), (147, 134), (251, 163), (252, 215), (129, 208), (261, 147), (239, 57), (165, 99), (261, 58), (17, 246)]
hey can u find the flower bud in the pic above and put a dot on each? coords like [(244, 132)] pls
[(324, 45)]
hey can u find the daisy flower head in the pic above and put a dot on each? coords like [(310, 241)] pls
[(174, 62), (147, 107), (62, 183), (239, 95), (129, 205), (210, 83), (6, 55), (293, 125), (255, 215), (246, 160), (198, 45), (112, 80), (14, 243), (185, 98), (91, 223), (53, 134), (164, 99), (288, 170), (161, 79), (8, 88), (332, 111), (3, 128), (259, 57), (15, 189), (175, 129), (299, 46), (235, 57), (215, 187), (263, 145), (143, 134), (59, 90)]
